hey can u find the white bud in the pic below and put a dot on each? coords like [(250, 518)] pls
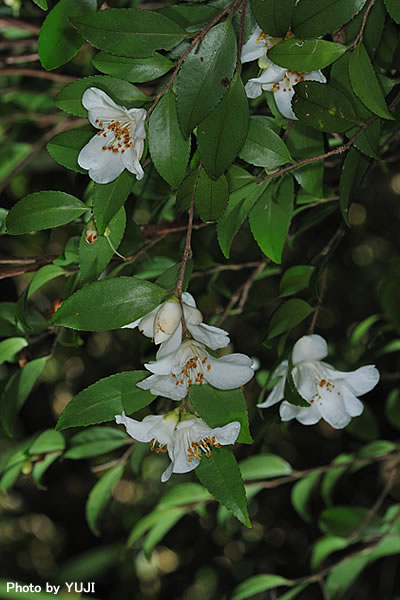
[(192, 315), (166, 321), (146, 325)]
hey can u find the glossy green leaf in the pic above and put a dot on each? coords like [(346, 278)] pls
[(264, 466), (129, 31), (365, 83), (263, 147), (257, 584), (373, 27), (65, 147), (42, 465), (369, 141), (324, 547), (211, 196), (169, 149), (392, 408), (301, 495), (109, 304), (104, 399), (184, 493), (315, 19), (108, 198), (331, 478), (270, 218), (295, 279), (273, 16), (204, 76), (136, 70), (377, 448), (48, 441), (94, 257), (100, 495), (95, 441), (220, 407), (190, 16), (10, 347), (239, 206), (58, 41), (288, 315), (322, 107), (354, 168), (41, 4), (343, 521), (305, 55), (343, 575), (304, 141), (43, 210), (43, 275), (161, 528), (222, 134), (294, 592), (393, 8), (69, 99), (220, 475)]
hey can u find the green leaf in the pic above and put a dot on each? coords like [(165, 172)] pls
[(330, 478), (301, 495), (43, 210), (41, 4), (290, 392), (293, 592), (58, 41), (343, 575), (220, 407), (220, 474), (129, 31), (392, 408), (100, 495), (263, 147), (304, 141), (95, 441), (136, 70), (69, 99), (43, 275), (324, 547), (165, 522), (184, 493), (42, 464), (65, 147), (264, 466), (354, 168), (168, 148), (240, 204), (204, 75), (17, 391), (109, 304), (369, 140), (393, 8), (211, 196), (273, 16), (257, 584), (48, 441), (343, 521), (222, 134), (288, 315), (270, 218), (322, 107), (104, 399), (315, 19), (377, 448), (303, 56), (93, 258), (10, 347), (365, 83), (295, 279), (108, 198)]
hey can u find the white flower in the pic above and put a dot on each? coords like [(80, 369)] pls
[(119, 143), (191, 364), (163, 324), (332, 394), (275, 79), (183, 436)]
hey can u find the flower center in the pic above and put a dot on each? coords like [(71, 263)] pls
[(323, 385), (287, 83), (158, 447), (194, 449), (193, 371), (122, 135)]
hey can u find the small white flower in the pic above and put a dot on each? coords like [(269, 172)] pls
[(275, 79), (183, 436), (119, 143), (191, 364), (332, 394), (163, 324)]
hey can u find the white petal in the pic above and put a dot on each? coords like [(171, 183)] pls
[(213, 337), (163, 385), (227, 434), (103, 165), (273, 74), (229, 372), (305, 415), (281, 369), (315, 76), (146, 323), (130, 161), (166, 321), (139, 116), (305, 381), (309, 348), (253, 49), (192, 315), (253, 88), (172, 344), (188, 299), (101, 107), (167, 473), (132, 325), (162, 366), (354, 407), (275, 396), (143, 431), (362, 380), (332, 409), (182, 463), (283, 101)]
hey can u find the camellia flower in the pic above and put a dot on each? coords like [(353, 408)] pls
[(164, 325), (332, 394), (118, 145), (273, 78), (191, 364), (181, 434)]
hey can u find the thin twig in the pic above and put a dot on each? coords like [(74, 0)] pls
[(363, 24), (220, 268), (38, 74), (21, 58), (241, 293), (241, 32), (17, 24), (117, 461), (150, 230)]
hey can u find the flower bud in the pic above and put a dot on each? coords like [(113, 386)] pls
[(166, 321), (91, 234), (192, 315)]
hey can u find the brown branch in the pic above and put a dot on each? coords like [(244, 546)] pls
[(26, 267), (241, 32), (150, 230), (363, 24), (117, 461), (21, 58), (219, 268), (17, 24), (38, 74), (198, 39)]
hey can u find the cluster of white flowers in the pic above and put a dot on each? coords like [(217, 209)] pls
[(273, 78)]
